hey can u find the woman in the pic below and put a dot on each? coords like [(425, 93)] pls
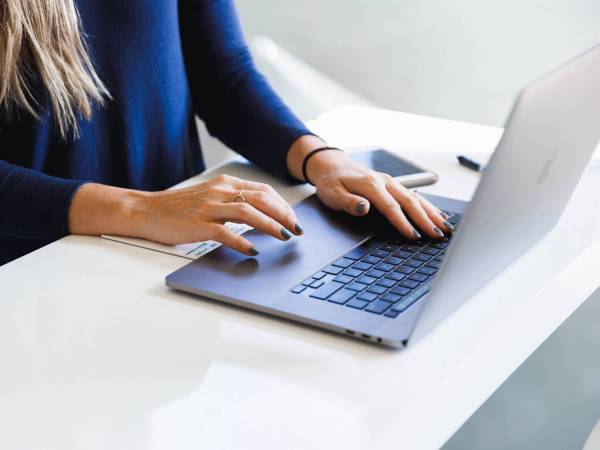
[(98, 104)]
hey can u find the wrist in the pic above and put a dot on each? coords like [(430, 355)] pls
[(99, 209), (298, 152), (323, 164), (132, 211)]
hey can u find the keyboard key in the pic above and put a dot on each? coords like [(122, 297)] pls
[(418, 277), (412, 263), (366, 279), (389, 297), (409, 284), (375, 273), (326, 290), (352, 272), (356, 286), (376, 289), (411, 248), (439, 245), (298, 289), (342, 296), (439, 258), (399, 290), (380, 253), (371, 259), (422, 257), (367, 296), (319, 275), (389, 247), (384, 266), (393, 260), (362, 266), (404, 269), (391, 313), (386, 282), (427, 270), (434, 264), (343, 279), (343, 262), (308, 281), (317, 283), (402, 254), (333, 270), (378, 307), (430, 251), (362, 250), (395, 276), (356, 303), (412, 297)]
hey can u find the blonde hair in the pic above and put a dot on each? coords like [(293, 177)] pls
[(41, 39)]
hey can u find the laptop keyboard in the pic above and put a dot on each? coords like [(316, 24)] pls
[(379, 276)]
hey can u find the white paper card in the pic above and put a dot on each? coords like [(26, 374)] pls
[(191, 251)]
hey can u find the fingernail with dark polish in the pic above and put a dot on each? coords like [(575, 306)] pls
[(286, 234), (448, 225), (361, 208), (298, 228), (253, 251), (416, 234), (438, 232), (444, 215)]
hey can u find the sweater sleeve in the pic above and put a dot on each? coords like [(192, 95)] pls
[(34, 205), (229, 94)]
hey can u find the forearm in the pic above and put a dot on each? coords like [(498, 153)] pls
[(99, 209), (235, 101)]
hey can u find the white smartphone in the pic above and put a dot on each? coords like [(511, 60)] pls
[(406, 172)]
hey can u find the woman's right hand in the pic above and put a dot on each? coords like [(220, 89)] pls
[(193, 214)]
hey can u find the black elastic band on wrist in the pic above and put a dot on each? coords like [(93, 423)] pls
[(310, 155)]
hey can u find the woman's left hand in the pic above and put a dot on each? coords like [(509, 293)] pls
[(345, 185)]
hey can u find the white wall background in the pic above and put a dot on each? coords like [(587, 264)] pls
[(459, 59)]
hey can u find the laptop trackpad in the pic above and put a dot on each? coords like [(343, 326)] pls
[(281, 264)]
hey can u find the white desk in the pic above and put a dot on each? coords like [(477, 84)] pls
[(98, 354)]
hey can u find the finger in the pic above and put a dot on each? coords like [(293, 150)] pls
[(265, 203), (273, 208), (257, 186), (238, 183), (246, 213), (435, 214), (340, 199), (376, 192), (411, 205), (225, 236), (423, 200)]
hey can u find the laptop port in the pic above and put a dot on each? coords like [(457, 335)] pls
[(366, 336), (350, 332)]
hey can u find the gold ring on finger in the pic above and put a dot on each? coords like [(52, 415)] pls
[(239, 197)]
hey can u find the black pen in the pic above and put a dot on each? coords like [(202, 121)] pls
[(470, 164)]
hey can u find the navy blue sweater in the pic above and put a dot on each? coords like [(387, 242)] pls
[(163, 61)]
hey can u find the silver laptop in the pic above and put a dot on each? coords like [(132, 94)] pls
[(358, 277)]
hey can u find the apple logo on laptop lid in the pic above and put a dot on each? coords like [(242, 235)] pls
[(546, 167)]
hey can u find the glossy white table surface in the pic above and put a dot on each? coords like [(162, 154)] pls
[(98, 354)]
